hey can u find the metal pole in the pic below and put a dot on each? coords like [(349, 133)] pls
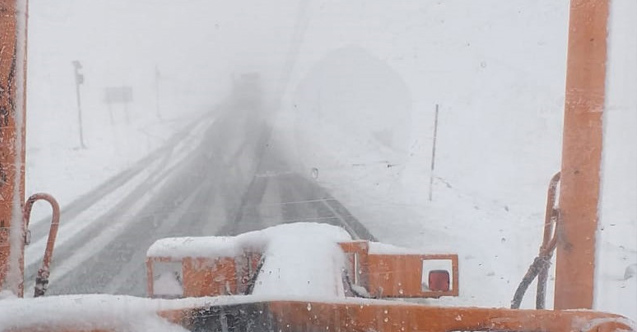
[(79, 79), (126, 112), (79, 115), (13, 34), (157, 76), (110, 112), (433, 156), (581, 154)]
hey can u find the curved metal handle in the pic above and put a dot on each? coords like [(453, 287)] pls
[(42, 280)]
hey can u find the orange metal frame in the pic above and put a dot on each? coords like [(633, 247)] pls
[(204, 276), (385, 276), (10, 175), (581, 154), (396, 276), (393, 317)]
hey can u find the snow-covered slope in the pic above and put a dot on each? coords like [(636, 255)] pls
[(361, 117)]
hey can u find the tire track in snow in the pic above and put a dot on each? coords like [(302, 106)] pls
[(40, 227), (178, 206), (73, 258), (75, 233)]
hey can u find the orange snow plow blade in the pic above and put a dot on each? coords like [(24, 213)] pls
[(360, 315), (398, 317), (385, 317), (381, 275)]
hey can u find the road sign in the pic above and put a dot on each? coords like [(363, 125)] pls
[(119, 94)]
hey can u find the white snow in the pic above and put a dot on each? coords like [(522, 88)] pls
[(630, 272), (496, 69), (88, 32), (300, 258), (204, 246), (388, 249), (84, 312), (229, 246), (303, 259), (359, 109), (167, 285)]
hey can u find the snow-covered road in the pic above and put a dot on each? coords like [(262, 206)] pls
[(198, 183)]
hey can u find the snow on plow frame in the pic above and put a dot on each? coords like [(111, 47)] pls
[(381, 275)]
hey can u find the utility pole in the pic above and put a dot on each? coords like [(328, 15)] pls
[(79, 79), (157, 78), (433, 156)]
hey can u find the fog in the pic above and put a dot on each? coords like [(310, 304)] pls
[(194, 49)]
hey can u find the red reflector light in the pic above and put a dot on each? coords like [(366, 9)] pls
[(439, 280)]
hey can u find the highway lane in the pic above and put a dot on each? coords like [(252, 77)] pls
[(90, 212), (172, 201), (230, 183)]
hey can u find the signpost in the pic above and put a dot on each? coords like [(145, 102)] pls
[(79, 79), (118, 95)]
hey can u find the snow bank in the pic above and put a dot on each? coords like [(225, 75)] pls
[(303, 259)]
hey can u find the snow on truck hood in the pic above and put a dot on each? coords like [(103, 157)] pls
[(301, 259)]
